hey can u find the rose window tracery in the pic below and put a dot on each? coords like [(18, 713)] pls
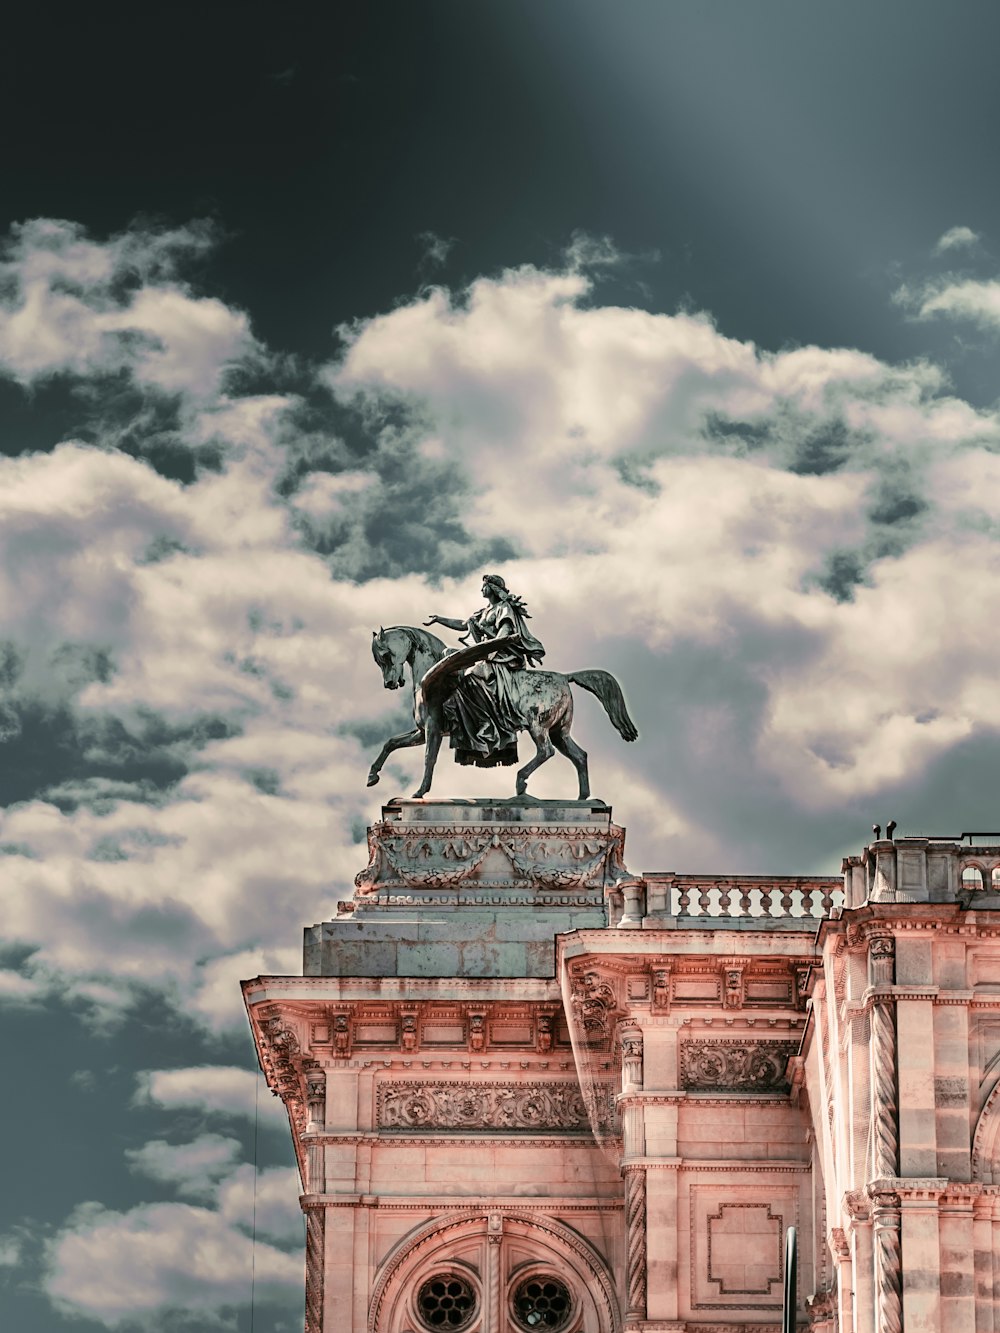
[(446, 1301), (542, 1302)]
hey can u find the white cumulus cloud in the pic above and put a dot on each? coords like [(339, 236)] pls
[(129, 1269), (956, 238)]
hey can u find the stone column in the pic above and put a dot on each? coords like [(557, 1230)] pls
[(494, 1283), (635, 1241), (634, 1147), (862, 1262), (888, 1263), (315, 1182), (982, 1240), (922, 1276), (885, 1138), (957, 1241), (885, 1125), (315, 1263)]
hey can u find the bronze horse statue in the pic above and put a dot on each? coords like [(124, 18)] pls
[(544, 699)]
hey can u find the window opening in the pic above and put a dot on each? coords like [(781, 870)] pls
[(542, 1302), (446, 1301)]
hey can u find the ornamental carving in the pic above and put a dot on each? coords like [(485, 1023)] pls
[(593, 1002), (527, 1107), (280, 1057), (547, 858), (735, 1066)]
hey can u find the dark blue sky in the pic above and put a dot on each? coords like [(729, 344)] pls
[(775, 163)]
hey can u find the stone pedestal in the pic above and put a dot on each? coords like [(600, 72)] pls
[(471, 889)]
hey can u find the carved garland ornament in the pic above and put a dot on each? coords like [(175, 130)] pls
[(542, 856), (528, 1107), (735, 1066)]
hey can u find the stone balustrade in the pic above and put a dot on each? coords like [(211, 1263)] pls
[(724, 898)]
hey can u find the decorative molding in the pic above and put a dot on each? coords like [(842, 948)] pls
[(736, 1245), (732, 1064), (525, 1140), (505, 1106), (593, 1003), (477, 1219), (756, 1240)]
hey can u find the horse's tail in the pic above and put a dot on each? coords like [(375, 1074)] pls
[(607, 689)]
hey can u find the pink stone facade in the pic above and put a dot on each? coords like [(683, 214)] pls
[(530, 1090)]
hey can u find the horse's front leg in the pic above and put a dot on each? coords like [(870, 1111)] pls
[(414, 737), (432, 729)]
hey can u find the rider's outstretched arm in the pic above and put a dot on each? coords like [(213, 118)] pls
[(447, 622)]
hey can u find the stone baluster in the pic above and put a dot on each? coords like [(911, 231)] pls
[(703, 901), (725, 897), (744, 902), (786, 901), (683, 901), (765, 899)]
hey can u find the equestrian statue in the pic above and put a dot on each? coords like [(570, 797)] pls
[(483, 694)]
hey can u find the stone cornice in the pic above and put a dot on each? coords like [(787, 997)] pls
[(442, 1203), (729, 1167), (261, 990), (450, 1140), (695, 1098)]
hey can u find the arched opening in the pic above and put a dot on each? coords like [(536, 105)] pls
[(972, 879), (986, 1141), (494, 1273)]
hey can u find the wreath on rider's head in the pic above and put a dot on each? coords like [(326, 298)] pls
[(498, 582)]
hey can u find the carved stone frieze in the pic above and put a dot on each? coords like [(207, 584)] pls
[(558, 858), (528, 1107), (734, 1065)]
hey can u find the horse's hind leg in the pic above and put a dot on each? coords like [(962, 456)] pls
[(543, 750), (566, 745)]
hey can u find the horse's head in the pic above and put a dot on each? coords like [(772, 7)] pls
[(390, 649)]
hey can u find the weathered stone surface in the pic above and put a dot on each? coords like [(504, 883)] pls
[(492, 1077)]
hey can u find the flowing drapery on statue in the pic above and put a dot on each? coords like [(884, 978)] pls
[(483, 694), (483, 713)]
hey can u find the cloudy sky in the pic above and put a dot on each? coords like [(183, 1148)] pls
[(682, 316)]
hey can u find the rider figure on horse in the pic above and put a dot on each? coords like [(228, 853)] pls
[(482, 713)]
